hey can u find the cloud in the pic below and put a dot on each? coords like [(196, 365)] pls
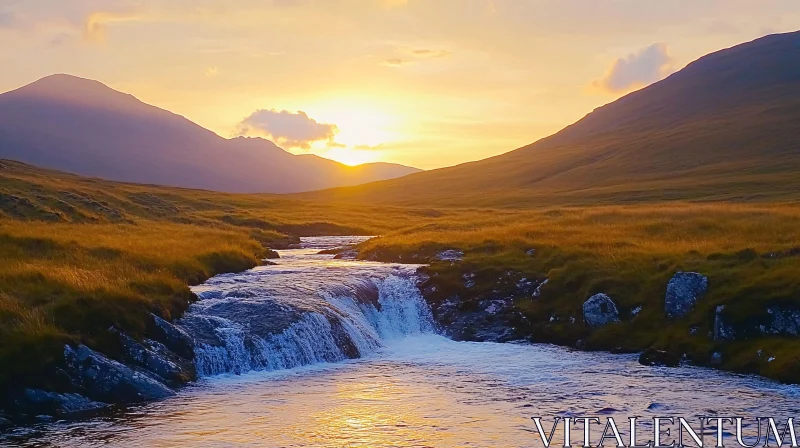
[(411, 56), (7, 19), (96, 25), (396, 62), (290, 129), (639, 69)]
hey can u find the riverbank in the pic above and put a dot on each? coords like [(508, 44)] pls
[(85, 256), (528, 275)]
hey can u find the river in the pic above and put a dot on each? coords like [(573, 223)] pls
[(317, 352)]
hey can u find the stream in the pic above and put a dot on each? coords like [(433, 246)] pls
[(319, 352)]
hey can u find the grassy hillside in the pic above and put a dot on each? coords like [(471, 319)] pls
[(727, 127), (81, 255), (750, 253)]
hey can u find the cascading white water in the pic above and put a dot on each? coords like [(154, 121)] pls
[(303, 312)]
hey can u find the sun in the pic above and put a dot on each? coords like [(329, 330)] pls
[(353, 157)]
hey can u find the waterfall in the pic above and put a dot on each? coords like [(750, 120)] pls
[(303, 312)]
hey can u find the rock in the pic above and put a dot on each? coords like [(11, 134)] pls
[(530, 252), (156, 362), (173, 337), (469, 280), (784, 321), (716, 359), (683, 290), (653, 357), (600, 310), (349, 254), (271, 255), (450, 255), (35, 401), (103, 379), (722, 330), (538, 291), (5, 423), (635, 312)]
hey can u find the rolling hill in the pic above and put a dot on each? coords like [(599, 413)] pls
[(84, 127), (726, 127)]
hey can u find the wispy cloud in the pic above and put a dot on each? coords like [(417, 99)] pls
[(409, 56), (638, 69), (96, 26)]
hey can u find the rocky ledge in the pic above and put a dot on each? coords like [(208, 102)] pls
[(89, 382)]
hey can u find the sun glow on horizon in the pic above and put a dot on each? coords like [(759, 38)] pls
[(352, 157)]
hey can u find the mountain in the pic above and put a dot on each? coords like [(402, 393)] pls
[(726, 127), (84, 127)]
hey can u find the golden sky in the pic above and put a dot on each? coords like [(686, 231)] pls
[(427, 83)]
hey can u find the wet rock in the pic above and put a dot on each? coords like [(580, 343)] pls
[(5, 423), (653, 357), (450, 255), (270, 254), (103, 379), (173, 337), (157, 362), (538, 291), (492, 320), (784, 321), (600, 310), (716, 359), (683, 291), (530, 252), (469, 280), (635, 312), (348, 254), (722, 330), (35, 401)]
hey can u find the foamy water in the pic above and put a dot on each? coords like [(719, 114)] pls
[(409, 388)]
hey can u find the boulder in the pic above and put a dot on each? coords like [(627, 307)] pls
[(35, 401), (653, 357), (103, 379), (155, 361), (722, 330), (173, 337), (450, 255), (347, 254), (600, 310), (683, 291), (783, 321)]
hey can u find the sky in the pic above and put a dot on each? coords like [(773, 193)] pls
[(426, 83)]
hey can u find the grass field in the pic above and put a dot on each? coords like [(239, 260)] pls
[(751, 254), (81, 255)]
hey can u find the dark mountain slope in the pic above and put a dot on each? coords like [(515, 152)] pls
[(84, 127), (725, 127)]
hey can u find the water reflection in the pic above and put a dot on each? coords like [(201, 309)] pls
[(423, 391)]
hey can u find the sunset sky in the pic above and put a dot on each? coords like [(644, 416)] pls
[(427, 83)]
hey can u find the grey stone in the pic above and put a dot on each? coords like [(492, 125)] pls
[(784, 321), (600, 310), (683, 291), (722, 330), (103, 379), (157, 362), (450, 255), (175, 338), (35, 401)]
